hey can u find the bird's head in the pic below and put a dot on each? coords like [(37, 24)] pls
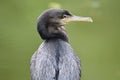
[(51, 23)]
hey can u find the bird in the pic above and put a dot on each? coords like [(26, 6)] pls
[(55, 58)]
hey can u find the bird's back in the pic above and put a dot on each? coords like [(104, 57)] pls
[(55, 60)]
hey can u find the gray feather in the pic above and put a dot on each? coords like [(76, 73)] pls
[(55, 60)]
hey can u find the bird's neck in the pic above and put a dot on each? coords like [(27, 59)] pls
[(57, 31), (57, 39)]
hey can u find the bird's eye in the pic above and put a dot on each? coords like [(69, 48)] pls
[(65, 16)]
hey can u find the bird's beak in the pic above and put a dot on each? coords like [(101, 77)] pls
[(77, 18)]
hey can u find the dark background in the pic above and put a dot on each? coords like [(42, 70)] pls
[(97, 43)]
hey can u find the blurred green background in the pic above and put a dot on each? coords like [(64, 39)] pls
[(97, 43)]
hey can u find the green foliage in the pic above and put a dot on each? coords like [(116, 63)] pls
[(97, 43)]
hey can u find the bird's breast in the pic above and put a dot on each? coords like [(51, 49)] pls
[(55, 58), (55, 49)]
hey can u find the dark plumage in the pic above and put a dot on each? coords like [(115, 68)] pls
[(49, 24), (55, 58)]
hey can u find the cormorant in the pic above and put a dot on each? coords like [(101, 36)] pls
[(55, 58)]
